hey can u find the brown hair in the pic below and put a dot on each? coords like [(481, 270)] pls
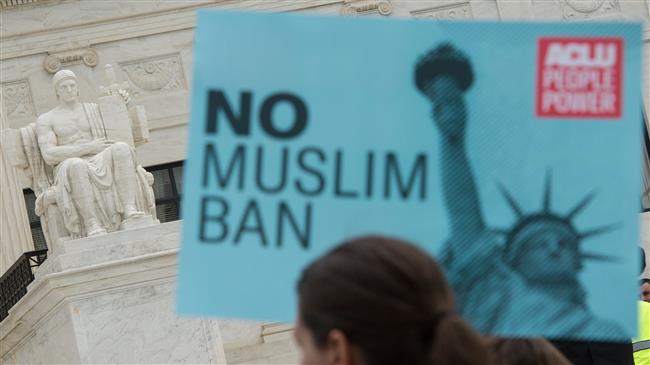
[(526, 351), (392, 302)]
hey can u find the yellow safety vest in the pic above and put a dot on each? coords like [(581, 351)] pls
[(641, 344)]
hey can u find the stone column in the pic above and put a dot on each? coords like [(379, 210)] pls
[(15, 234)]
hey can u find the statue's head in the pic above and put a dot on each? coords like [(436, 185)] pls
[(545, 246), (65, 86)]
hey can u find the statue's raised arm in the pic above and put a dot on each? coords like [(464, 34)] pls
[(443, 75)]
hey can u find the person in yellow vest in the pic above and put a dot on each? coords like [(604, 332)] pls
[(641, 344)]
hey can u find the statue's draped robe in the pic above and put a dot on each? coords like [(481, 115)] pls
[(107, 204), (495, 299)]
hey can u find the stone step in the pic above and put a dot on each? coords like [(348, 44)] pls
[(272, 332), (280, 351)]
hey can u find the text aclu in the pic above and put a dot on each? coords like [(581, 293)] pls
[(582, 54)]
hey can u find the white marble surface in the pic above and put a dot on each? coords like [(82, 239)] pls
[(14, 225), (164, 97), (109, 299), (52, 341), (276, 346), (139, 325)]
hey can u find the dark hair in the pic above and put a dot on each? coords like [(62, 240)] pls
[(526, 351), (392, 302)]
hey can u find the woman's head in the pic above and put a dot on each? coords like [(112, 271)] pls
[(526, 351), (376, 300)]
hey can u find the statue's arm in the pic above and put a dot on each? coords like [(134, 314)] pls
[(458, 184), (53, 154), (459, 190)]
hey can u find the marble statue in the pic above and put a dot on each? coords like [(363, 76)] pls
[(97, 183)]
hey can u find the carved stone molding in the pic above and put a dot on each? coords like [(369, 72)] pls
[(586, 9), (17, 98), (4, 4), (54, 61), (362, 7), (448, 12), (155, 73)]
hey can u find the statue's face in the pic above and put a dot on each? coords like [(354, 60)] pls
[(67, 91), (547, 252)]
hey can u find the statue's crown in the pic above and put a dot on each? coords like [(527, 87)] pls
[(547, 221)]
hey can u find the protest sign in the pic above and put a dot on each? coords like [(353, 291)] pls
[(509, 151)]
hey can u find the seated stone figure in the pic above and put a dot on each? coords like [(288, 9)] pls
[(97, 183)]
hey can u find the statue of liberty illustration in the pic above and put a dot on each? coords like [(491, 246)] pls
[(518, 281)]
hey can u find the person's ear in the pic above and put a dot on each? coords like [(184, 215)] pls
[(339, 349)]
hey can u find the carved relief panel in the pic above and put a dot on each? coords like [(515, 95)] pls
[(5, 4), (587, 9), (461, 10), (363, 7), (56, 61), (17, 99), (154, 74)]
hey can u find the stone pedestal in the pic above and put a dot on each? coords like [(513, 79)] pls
[(109, 299)]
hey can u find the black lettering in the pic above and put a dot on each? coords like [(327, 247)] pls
[(284, 214), (257, 227), (300, 112), (320, 185), (259, 171), (210, 159), (218, 219), (370, 164), (240, 124), (338, 173), (392, 169)]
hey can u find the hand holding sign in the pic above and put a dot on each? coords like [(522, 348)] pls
[(443, 75)]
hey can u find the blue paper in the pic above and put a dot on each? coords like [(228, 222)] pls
[(306, 131)]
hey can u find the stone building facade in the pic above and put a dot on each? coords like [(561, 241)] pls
[(96, 295)]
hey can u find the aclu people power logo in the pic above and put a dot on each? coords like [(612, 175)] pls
[(579, 77)]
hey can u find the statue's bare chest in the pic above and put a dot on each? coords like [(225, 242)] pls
[(71, 125)]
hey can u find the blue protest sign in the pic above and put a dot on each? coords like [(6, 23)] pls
[(509, 151)]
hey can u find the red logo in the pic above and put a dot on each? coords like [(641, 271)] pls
[(579, 77)]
